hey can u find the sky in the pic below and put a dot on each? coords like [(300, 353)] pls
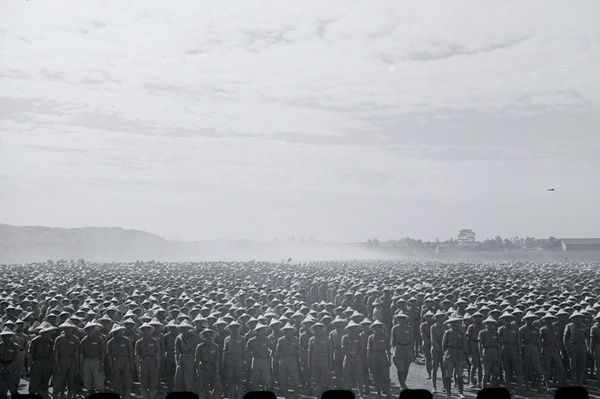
[(338, 121)]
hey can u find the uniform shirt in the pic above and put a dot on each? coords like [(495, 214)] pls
[(509, 335), (92, 347), (595, 337), (260, 347), (8, 353), (529, 335), (351, 345), (401, 335), (454, 340), (288, 347), (119, 347), (336, 339), (41, 348), (489, 339), (425, 329), (437, 334), (170, 338), (234, 346), (66, 346), (208, 355), (574, 335), (320, 345), (185, 344), (147, 348), (378, 343)]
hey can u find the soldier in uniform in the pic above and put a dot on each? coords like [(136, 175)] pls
[(208, 359), (9, 363), (352, 366), (378, 357), (403, 349), (551, 351), (595, 346), (510, 350), (454, 345), (320, 358), (287, 353), (338, 354), (437, 334), (575, 339), (185, 351), (489, 350), (93, 350), (66, 362), (234, 349), (41, 357), (425, 329), (169, 356), (148, 360), (530, 339), (305, 335), (473, 349), (259, 349), (121, 361)]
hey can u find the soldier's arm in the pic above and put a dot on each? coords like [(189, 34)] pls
[(137, 354), (566, 336), (480, 338), (592, 339), (393, 340), (225, 350), (31, 352), (310, 349), (109, 345), (445, 341), (56, 350), (102, 352)]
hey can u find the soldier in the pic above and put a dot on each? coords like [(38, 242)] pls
[(575, 342), (530, 339), (169, 365), (305, 335), (510, 350), (259, 349), (9, 363), (320, 358), (378, 357), (551, 353), (208, 359), (234, 349), (403, 349), (121, 361), (185, 351), (66, 361), (93, 350), (425, 329), (454, 345), (473, 349), (489, 350), (287, 353), (352, 366), (148, 360), (41, 357), (437, 334), (338, 354), (595, 346)]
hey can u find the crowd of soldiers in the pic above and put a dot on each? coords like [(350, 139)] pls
[(221, 329)]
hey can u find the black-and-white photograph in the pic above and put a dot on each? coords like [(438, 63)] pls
[(299, 199)]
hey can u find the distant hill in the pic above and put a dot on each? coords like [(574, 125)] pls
[(19, 244)]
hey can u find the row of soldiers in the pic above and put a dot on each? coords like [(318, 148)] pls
[(224, 328)]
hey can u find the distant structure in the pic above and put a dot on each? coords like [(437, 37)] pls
[(580, 244)]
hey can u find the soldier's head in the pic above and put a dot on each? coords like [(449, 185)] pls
[(318, 329), (234, 328), (6, 335), (529, 318), (288, 331), (490, 324), (208, 335), (506, 319), (146, 330), (454, 322), (261, 330)]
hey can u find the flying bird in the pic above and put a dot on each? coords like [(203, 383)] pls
[(550, 189)]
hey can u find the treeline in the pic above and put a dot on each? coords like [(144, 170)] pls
[(451, 245)]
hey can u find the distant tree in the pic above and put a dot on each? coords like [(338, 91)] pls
[(466, 236)]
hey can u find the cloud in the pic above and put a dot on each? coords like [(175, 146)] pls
[(346, 115)]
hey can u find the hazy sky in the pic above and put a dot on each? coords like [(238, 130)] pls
[(336, 120)]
